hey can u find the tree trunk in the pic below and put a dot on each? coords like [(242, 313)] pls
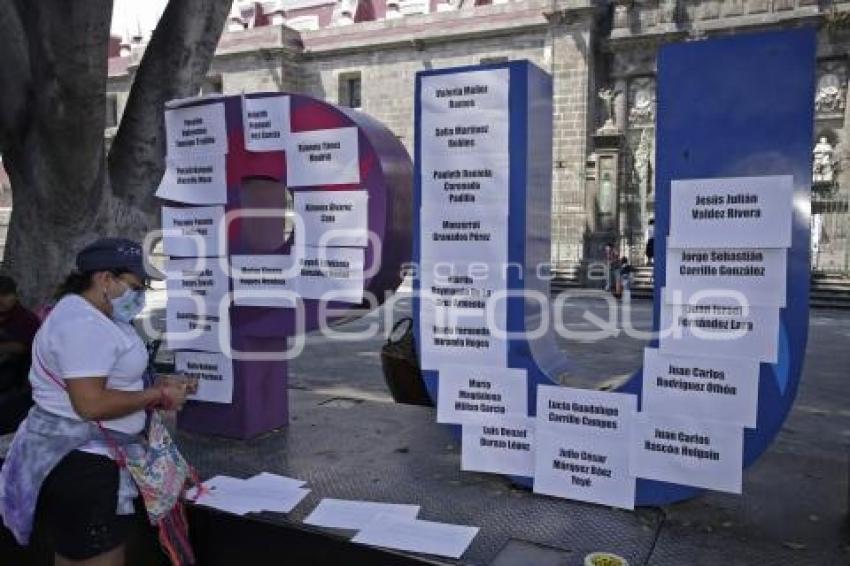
[(55, 161), (52, 117)]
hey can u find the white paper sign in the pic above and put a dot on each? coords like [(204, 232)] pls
[(450, 336), (758, 274), (582, 442), (722, 329), (723, 389), (266, 123), (737, 212), (199, 180), (195, 130), (192, 231), (464, 185), (461, 285), (214, 373), (355, 515), (477, 236), (413, 535), (197, 277), (193, 326), (504, 447), (475, 394), (264, 280), (331, 274), (459, 94), (701, 453), (473, 134), (323, 157), (332, 218)]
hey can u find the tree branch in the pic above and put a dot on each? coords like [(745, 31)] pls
[(15, 74), (174, 65)]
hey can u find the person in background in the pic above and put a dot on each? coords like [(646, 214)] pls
[(63, 471), (650, 241), (625, 280), (17, 330), (611, 264)]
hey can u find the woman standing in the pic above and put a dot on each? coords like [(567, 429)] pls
[(88, 386)]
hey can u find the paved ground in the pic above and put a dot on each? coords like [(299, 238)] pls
[(795, 503)]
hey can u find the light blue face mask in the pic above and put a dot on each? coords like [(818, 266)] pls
[(128, 306)]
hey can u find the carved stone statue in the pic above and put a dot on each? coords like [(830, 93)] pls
[(829, 96), (608, 95), (667, 11), (621, 15), (344, 12), (823, 165), (641, 159)]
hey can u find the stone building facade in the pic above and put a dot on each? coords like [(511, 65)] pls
[(365, 54)]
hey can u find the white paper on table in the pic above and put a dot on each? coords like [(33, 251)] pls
[(720, 328), (201, 179), (460, 236), (195, 130), (323, 157), (355, 515), (264, 280), (688, 451), (265, 121), (200, 277), (260, 493), (414, 535), (213, 371), (284, 502), (703, 214), (481, 395), (459, 94), (759, 275), (331, 274), (193, 231), (275, 482), (452, 336), (505, 446), (715, 388), (332, 218), (193, 326)]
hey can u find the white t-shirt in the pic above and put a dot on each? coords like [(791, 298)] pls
[(77, 340)]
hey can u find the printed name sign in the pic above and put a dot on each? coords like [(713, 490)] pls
[(471, 394), (739, 212), (190, 324), (331, 274), (505, 446), (193, 231), (200, 180), (194, 130), (582, 440), (727, 329), (214, 373), (715, 388), (266, 123), (688, 451), (198, 277), (332, 218), (264, 280), (759, 275), (323, 157)]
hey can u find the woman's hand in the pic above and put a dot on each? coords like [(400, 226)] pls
[(191, 382), (173, 395)]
